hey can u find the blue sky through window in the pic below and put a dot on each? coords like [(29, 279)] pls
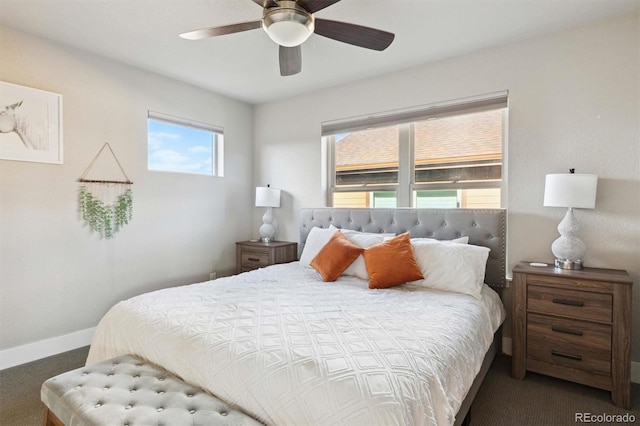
[(341, 136), (177, 148)]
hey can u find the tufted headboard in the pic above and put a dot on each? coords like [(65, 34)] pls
[(485, 227)]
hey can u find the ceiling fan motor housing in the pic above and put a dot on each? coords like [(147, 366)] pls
[(288, 24)]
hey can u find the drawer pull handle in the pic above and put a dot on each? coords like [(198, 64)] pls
[(563, 355), (253, 259), (569, 302), (566, 331)]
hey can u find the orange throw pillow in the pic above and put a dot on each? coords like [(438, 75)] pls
[(335, 257), (391, 263)]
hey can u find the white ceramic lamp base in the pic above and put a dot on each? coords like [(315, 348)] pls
[(267, 229), (569, 250)]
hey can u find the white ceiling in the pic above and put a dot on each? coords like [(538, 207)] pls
[(144, 33)]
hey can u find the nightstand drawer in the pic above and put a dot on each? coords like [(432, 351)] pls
[(252, 255), (584, 358), (561, 330), (570, 303), (254, 259)]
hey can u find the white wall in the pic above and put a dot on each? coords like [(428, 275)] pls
[(574, 102), (56, 277)]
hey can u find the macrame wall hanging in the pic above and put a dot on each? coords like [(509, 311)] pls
[(106, 204)]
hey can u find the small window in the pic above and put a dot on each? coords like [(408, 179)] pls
[(182, 146)]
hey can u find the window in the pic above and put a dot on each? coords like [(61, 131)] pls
[(436, 199), (441, 156), (357, 164), (182, 146)]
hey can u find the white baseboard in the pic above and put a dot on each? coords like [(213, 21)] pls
[(635, 366), (44, 348)]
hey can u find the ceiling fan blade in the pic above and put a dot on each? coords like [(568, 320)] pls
[(357, 35), (312, 6), (217, 31), (265, 3), (290, 60)]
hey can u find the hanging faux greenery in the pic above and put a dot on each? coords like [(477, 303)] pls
[(106, 205), (104, 218)]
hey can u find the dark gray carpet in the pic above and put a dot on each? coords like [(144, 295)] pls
[(502, 401), (20, 387), (540, 400)]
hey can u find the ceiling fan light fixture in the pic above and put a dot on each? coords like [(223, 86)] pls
[(288, 25)]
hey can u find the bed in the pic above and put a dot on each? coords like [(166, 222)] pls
[(288, 348)]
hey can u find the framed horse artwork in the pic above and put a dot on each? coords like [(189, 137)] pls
[(30, 124)]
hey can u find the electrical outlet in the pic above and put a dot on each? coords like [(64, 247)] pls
[(213, 275)]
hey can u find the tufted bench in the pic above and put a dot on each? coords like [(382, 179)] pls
[(127, 391)]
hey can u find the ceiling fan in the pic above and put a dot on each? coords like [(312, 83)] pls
[(290, 23)]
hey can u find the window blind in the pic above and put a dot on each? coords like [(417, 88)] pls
[(461, 106), (185, 122)]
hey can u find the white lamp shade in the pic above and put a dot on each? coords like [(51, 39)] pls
[(267, 197), (570, 190)]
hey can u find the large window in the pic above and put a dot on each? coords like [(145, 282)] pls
[(443, 156), (183, 146)]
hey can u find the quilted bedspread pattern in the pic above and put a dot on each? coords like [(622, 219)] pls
[(289, 349)]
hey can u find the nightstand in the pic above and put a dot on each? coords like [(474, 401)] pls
[(252, 255), (574, 325)]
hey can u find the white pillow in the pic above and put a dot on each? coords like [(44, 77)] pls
[(458, 268), (358, 268), (316, 239), (461, 240)]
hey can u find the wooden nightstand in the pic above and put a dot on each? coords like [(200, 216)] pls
[(255, 254), (574, 325)]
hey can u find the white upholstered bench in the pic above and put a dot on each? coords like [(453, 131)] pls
[(127, 391)]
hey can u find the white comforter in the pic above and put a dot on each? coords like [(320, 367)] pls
[(289, 349)]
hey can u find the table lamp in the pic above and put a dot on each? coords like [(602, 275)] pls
[(570, 190), (267, 197)]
